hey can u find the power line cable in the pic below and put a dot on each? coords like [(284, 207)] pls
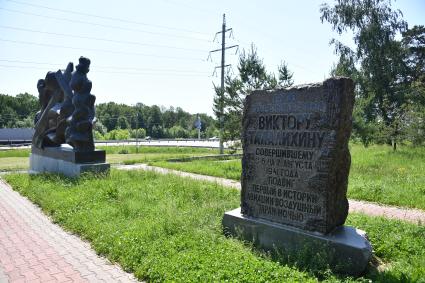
[(247, 46), (105, 67), (101, 39), (105, 17), (100, 50), (114, 72), (154, 74), (105, 26)]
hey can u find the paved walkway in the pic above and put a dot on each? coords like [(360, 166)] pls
[(412, 215), (33, 249)]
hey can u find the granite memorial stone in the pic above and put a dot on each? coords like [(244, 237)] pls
[(295, 170)]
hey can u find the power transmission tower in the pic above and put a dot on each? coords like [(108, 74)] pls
[(223, 65)]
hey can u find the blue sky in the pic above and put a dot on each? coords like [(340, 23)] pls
[(155, 52)]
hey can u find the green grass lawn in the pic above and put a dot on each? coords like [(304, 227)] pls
[(14, 163), (380, 175), (168, 228), (230, 169), (14, 159), (377, 174), (24, 152), (17, 159)]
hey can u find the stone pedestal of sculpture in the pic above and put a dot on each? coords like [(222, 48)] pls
[(295, 170), (65, 160)]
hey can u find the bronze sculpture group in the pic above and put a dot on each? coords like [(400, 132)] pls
[(67, 111)]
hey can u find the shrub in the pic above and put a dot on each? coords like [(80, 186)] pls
[(119, 134)]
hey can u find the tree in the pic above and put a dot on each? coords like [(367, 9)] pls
[(27, 122), (157, 132), (118, 134), (169, 117), (138, 133), (99, 128), (211, 131), (154, 122), (113, 115), (183, 118), (414, 41), (178, 132), (285, 76), (26, 105), (9, 117), (382, 80), (252, 75), (139, 121), (122, 123), (18, 111), (363, 126)]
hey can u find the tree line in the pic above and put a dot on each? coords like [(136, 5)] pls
[(154, 121), (116, 121), (18, 111)]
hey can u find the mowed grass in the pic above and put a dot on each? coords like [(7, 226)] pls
[(168, 228), (17, 159), (14, 163), (229, 169), (377, 174), (22, 152), (14, 159), (380, 175)]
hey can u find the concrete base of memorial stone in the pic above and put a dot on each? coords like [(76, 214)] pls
[(346, 249), (44, 164)]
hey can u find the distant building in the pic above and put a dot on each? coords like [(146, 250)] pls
[(16, 135)]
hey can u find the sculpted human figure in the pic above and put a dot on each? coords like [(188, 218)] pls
[(43, 98), (50, 95), (66, 108), (49, 121), (80, 124)]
